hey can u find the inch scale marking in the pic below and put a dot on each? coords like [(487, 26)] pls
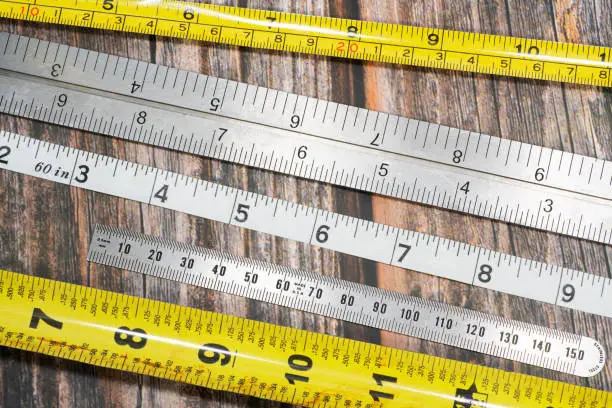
[(342, 38), (254, 358), (381, 243), (349, 301), (306, 137)]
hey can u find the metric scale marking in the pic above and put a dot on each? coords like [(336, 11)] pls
[(374, 41), (340, 299), (306, 137), (381, 243), (229, 353)]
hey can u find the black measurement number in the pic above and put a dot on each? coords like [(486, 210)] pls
[(322, 234), (62, 99), (476, 330), (347, 300), (568, 291), (531, 50), (542, 346), (548, 207), (134, 338), (302, 152), (124, 249), (241, 213), (214, 104), (251, 277), (162, 193), (383, 170), (375, 142), (38, 315), (316, 292), (433, 39), (484, 274), (135, 86), (108, 5), (406, 249), (83, 174), (574, 353), (301, 363), (409, 314), (212, 353), (56, 70), (352, 31), (141, 118), (508, 338), (219, 270), (380, 380), (189, 14), (295, 121), (155, 255), (4, 152), (444, 323), (457, 156), (187, 262), (222, 132), (379, 307), (283, 285)]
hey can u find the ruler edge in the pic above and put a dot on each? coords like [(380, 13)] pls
[(101, 229), (579, 235), (220, 116), (562, 270), (513, 74), (445, 360)]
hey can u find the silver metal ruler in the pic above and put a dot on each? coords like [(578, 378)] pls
[(363, 238), (306, 137), (333, 297)]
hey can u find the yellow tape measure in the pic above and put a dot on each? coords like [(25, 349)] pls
[(390, 43), (258, 359)]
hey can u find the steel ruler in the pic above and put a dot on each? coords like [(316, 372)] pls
[(363, 238), (374, 41), (357, 303), (306, 137), (229, 353)]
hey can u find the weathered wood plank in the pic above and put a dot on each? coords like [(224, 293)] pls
[(45, 228)]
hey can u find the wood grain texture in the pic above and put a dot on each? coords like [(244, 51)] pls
[(45, 228)]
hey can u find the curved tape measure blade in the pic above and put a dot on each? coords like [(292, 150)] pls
[(258, 359), (340, 299), (381, 243), (327, 36), (344, 145)]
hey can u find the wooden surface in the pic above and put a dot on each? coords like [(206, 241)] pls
[(45, 227)]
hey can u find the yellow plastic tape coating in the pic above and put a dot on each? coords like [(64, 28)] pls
[(389, 43), (258, 359)]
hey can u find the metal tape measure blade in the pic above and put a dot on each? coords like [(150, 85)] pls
[(327, 36), (371, 151), (315, 293), (381, 243), (267, 361)]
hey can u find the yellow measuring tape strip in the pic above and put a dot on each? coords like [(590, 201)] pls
[(258, 359), (434, 48)]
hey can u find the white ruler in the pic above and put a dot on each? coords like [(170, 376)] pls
[(349, 301), (381, 243), (306, 137)]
